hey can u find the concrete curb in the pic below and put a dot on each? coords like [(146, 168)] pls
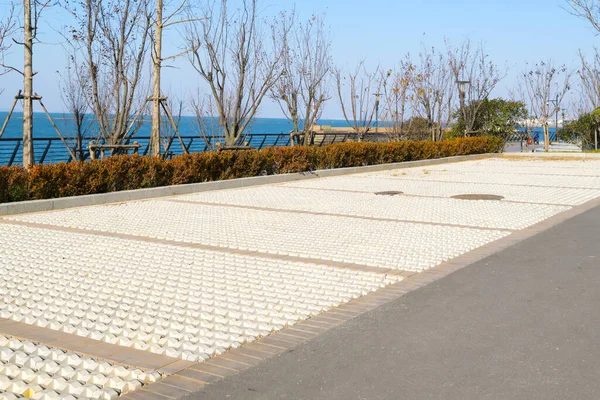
[(143, 194)]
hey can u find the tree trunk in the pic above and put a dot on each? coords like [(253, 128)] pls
[(79, 146), (296, 131), (546, 138), (157, 61), (28, 156), (231, 137)]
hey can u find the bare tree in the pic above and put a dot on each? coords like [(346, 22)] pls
[(358, 93), (472, 66), (207, 123), (589, 80), (110, 45), (74, 96), (396, 97), (7, 26), (589, 83), (170, 128), (229, 53), (588, 10), (302, 89), (159, 24), (431, 87), (32, 10), (543, 89)]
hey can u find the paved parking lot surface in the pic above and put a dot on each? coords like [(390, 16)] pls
[(140, 285)]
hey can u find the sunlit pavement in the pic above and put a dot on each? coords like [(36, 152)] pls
[(192, 277)]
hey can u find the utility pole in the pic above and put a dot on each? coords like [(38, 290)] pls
[(28, 156)]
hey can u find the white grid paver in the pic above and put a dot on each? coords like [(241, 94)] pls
[(192, 303), (30, 370), (524, 166), (494, 176), (171, 300), (417, 187), (482, 214), (385, 244)]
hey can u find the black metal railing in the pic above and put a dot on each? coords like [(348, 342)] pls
[(49, 150)]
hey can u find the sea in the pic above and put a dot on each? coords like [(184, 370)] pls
[(262, 132), (42, 127)]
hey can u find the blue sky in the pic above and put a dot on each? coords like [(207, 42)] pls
[(380, 31)]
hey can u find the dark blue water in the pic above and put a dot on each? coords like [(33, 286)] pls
[(187, 127), (538, 133), (48, 151), (261, 133)]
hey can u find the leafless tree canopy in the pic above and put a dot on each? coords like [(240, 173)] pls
[(543, 88), (7, 26), (110, 45), (589, 80), (432, 89), (230, 53), (396, 98), (302, 89), (207, 124), (586, 9), (74, 98), (358, 93), (473, 64), (169, 131)]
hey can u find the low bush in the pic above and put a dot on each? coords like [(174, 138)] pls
[(136, 172)]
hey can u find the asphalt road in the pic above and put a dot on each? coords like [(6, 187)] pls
[(521, 324)]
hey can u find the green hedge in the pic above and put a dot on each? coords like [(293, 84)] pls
[(136, 172)]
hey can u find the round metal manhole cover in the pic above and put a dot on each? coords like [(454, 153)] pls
[(478, 197), (388, 193)]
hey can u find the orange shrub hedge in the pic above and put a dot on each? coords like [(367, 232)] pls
[(136, 172)]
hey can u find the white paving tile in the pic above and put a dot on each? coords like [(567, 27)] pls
[(566, 181), (171, 300), (417, 187), (386, 244), (526, 166), (494, 173), (193, 303), (30, 370), (481, 214)]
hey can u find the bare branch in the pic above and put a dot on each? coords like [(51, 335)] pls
[(431, 89), (472, 64), (230, 55), (589, 81), (10, 68), (108, 49), (358, 93), (588, 10), (74, 86), (396, 94), (543, 88), (7, 27), (182, 21), (302, 89)]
